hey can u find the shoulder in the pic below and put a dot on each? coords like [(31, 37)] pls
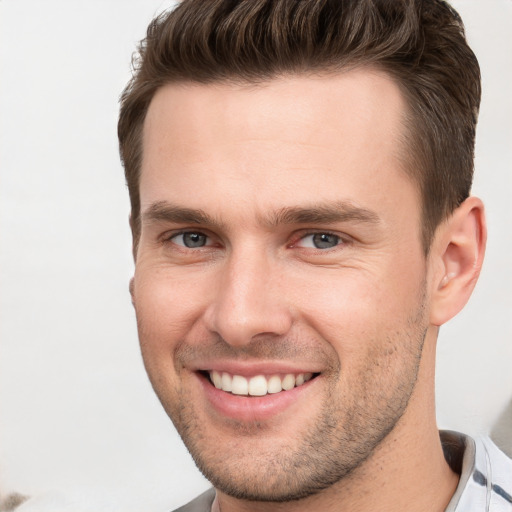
[(202, 503)]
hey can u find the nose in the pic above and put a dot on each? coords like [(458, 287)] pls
[(249, 300)]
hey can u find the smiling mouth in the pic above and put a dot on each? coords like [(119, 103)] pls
[(258, 385)]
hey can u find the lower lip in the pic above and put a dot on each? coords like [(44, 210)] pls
[(252, 408)]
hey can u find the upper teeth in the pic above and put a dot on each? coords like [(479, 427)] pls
[(259, 385)]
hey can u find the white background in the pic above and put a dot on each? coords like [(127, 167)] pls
[(77, 415)]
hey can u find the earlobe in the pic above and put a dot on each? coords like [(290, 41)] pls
[(458, 249)]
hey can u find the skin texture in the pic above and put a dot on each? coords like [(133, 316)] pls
[(253, 174)]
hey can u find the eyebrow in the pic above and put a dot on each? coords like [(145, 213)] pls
[(329, 213), (167, 212)]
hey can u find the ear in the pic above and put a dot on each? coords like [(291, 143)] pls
[(134, 254), (135, 237), (457, 255), (131, 287)]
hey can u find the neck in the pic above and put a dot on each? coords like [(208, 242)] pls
[(407, 471)]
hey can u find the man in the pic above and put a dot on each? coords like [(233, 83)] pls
[(299, 175)]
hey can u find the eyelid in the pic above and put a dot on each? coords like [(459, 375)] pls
[(212, 239), (301, 235), (169, 236)]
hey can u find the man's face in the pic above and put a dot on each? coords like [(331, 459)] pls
[(280, 244)]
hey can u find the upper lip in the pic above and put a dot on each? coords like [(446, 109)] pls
[(251, 368)]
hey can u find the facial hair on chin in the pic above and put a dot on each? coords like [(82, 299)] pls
[(350, 426)]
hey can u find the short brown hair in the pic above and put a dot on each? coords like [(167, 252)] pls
[(420, 43)]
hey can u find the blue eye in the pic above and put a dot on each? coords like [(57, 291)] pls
[(190, 239), (320, 241)]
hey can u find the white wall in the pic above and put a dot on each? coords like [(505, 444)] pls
[(77, 414)]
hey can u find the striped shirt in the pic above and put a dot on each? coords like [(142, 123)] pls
[(485, 483)]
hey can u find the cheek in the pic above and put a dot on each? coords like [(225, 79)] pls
[(361, 308), (167, 307), (165, 312)]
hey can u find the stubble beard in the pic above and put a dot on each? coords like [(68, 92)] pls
[(349, 428)]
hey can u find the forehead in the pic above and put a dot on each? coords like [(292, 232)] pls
[(259, 141)]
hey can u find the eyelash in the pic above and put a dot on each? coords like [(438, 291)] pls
[(171, 237), (297, 239), (340, 240)]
